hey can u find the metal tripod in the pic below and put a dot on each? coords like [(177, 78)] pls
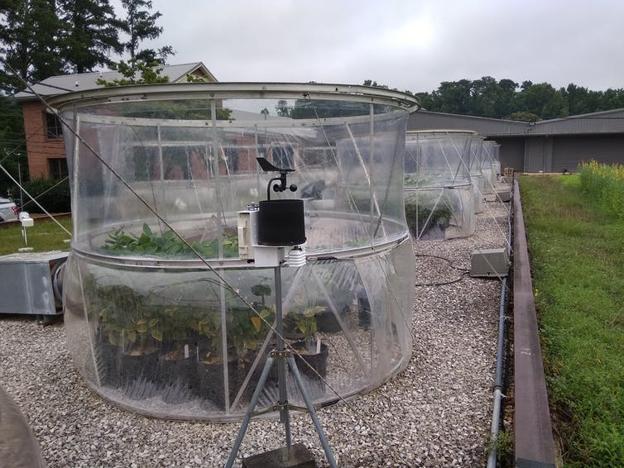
[(284, 360)]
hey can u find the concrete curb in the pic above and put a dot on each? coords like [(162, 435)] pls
[(534, 443)]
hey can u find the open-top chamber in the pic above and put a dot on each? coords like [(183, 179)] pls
[(439, 198), (166, 314)]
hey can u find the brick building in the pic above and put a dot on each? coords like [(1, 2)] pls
[(44, 134)]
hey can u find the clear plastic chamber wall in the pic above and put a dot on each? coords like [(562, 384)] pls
[(160, 331), (439, 198), (491, 150), (477, 176)]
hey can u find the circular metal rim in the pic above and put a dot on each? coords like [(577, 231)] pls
[(442, 132), (414, 188), (133, 263), (237, 90)]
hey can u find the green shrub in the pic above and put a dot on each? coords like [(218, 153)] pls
[(421, 218), (53, 199), (604, 183), (167, 243)]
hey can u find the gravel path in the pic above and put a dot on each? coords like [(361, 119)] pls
[(436, 413)]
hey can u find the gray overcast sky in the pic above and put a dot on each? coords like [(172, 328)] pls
[(405, 44)]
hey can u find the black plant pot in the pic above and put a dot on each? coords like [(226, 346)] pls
[(211, 386), (138, 374), (317, 361)]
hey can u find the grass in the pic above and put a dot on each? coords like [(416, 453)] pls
[(43, 236), (577, 258)]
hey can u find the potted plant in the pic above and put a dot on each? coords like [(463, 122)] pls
[(427, 223), (210, 365), (311, 357), (113, 305), (138, 363), (178, 361), (246, 332)]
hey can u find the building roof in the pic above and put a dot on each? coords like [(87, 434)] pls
[(486, 126), (62, 84), (611, 121)]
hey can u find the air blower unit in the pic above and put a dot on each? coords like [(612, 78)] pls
[(31, 283)]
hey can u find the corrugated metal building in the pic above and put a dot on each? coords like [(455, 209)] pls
[(548, 145)]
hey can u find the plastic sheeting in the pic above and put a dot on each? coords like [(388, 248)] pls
[(439, 198), (152, 328), (478, 179)]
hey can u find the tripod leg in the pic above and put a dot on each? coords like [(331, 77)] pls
[(308, 402), (249, 413)]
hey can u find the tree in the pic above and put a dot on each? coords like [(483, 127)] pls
[(485, 94), (28, 42), (524, 116), (12, 143), (454, 97), (90, 34), (541, 99), (504, 105), (140, 73), (140, 25), (425, 100)]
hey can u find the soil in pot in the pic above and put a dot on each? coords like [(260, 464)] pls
[(211, 385)]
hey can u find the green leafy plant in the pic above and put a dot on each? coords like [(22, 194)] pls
[(208, 325), (421, 219), (305, 323), (247, 329), (124, 319), (167, 243)]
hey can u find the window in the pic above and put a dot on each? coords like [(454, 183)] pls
[(57, 168), (54, 128)]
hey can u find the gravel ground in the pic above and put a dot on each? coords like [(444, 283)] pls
[(436, 413)]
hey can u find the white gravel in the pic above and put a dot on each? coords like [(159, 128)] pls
[(436, 413)]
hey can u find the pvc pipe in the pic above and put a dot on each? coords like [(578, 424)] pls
[(500, 359)]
